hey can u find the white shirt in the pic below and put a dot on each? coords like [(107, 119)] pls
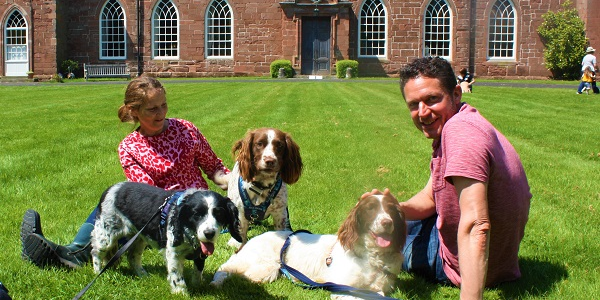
[(589, 60)]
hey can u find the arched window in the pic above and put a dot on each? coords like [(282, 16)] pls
[(165, 31), (372, 29), (437, 29), (219, 30), (112, 31), (501, 38), (15, 45)]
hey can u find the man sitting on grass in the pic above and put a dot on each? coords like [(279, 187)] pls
[(470, 218)]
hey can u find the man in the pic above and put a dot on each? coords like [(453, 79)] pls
[(471, 215), (589, 61)]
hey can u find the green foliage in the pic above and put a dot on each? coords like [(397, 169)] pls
[(69, 66), (563, 34), (342, 65), (282, 63)]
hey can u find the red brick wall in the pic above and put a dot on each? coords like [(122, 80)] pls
[(267, 30)]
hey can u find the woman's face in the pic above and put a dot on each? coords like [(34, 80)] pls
[(152, 113)]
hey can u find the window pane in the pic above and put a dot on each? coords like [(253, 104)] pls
[(372, 29)]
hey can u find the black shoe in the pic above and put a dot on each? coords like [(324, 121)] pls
[(39, 251), (31, 224)]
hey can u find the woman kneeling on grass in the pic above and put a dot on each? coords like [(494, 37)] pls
[(167, 153)]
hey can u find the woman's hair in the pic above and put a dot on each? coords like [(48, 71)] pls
[(136, 95), (429, 67)]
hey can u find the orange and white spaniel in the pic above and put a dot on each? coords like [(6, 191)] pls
[(366, 253), (267, 159)]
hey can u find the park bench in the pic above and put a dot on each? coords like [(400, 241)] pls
[(100, 71)]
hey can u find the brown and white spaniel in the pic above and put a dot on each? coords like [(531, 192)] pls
[(366, 253), (267, 159)]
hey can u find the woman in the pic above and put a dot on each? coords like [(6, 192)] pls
[(167, 153)]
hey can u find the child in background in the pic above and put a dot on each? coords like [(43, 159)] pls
[(587, 78)]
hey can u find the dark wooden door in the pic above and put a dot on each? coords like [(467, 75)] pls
[(316, 35)]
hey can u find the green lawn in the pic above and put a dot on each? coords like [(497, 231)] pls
[(58, 153)]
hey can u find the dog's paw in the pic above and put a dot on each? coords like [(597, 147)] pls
[(219, 278), (179, 290), (234, 244)]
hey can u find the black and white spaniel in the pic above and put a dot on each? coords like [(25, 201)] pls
[(267, 159), (187, 227), (366, 253)]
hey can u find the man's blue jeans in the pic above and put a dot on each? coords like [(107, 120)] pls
[(421, 252)]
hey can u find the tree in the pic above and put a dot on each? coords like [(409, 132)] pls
[(563, 34)]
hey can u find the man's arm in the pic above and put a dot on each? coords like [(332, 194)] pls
[(421, 205), (473, 236)]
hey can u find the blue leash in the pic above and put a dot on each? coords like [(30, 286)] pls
[(330, 286)]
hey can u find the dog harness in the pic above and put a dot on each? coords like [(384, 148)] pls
[(164, 213), (257, 212), (308, 283)]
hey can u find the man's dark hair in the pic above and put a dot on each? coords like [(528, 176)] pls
[(430, 67)]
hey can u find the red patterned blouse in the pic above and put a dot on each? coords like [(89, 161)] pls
[(171, 160)]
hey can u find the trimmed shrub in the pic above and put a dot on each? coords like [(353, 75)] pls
[(282, 63), (563, 34), (342, 65)]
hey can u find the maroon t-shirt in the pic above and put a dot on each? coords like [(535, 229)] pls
[(471, 147)]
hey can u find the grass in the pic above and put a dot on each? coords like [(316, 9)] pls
[(58, 153)]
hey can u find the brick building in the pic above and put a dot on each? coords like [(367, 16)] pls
[(194, 38)]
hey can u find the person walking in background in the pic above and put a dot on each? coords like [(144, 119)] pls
[(466, 225), (589, 61), (163, 152)]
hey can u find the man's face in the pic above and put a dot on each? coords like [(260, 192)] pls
[(430, 105)]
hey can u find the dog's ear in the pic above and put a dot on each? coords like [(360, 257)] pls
[(242, 151), (399, 220), (177, 225), (349, 231), (292, 162), (234, 221)]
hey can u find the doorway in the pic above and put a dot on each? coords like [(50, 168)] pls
[(16, 60), (316, 35)]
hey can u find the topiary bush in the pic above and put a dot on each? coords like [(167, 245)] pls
[(342, 65), (282, 63), (563, 34)]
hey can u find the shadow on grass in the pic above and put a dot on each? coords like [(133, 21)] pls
[(538, 278)]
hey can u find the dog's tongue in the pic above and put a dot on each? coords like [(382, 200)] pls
[(382, 241), (207, 248)]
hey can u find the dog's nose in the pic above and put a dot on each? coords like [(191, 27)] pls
[(269, 161), (386, 223), (209, 233)]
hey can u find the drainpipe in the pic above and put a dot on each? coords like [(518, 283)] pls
[(472, 35), (30, 37), (140, 36)]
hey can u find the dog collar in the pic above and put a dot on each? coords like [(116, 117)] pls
[(257, 212)]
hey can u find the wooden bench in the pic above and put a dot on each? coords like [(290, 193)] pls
[(99, 71)]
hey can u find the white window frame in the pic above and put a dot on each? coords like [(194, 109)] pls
[(437, 12), (112, 24), (170, 16), (218, 30), (15, 46), (373, 15), (502, 30)]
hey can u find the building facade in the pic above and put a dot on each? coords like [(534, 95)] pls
[(198, 38)]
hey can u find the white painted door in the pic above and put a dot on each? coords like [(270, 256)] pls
[(16, 61)]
